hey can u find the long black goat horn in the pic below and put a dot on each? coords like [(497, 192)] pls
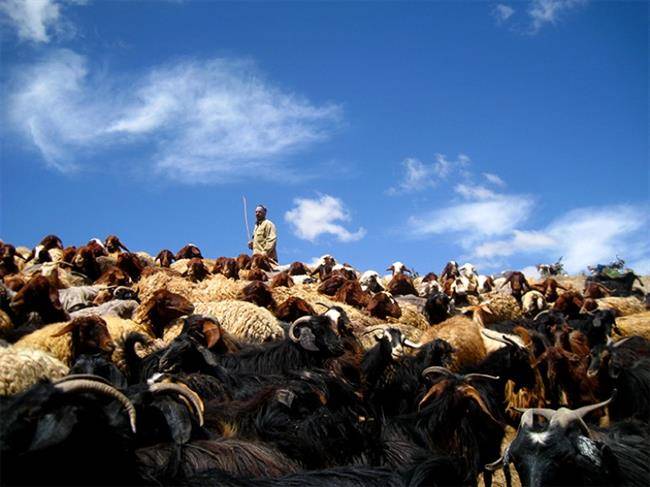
[(183, 391), (85, 385)]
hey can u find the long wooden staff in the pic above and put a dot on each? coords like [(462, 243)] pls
[(248, 230)]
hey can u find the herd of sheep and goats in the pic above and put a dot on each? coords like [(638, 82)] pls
[(120, 368)]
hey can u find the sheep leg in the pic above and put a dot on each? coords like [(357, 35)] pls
[(507, 475), (487, 478)]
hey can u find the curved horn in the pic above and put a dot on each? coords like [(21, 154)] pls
[(481, 376), (299, 321), (621, 342), (72, 377), (183, 391), (436, 369), (546, 311), (411, 344), (491, 467), (85, 385), (503, 338), (545, 412), (581, 412)]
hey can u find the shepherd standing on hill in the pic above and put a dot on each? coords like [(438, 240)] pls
[(265, 236)]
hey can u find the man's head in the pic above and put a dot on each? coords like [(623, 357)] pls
[(260, 212)]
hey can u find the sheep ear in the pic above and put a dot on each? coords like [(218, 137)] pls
[(66, 329), (212, 333), (54, 298), (307, 339)]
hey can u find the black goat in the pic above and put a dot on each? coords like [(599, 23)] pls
[(565, 451), (310, 341)]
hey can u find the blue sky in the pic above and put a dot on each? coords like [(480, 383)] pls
[(501, 133)]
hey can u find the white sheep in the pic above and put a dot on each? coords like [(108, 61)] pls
[(533, 302), (21, 368), (246, 321)]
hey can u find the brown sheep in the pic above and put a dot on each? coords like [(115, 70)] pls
[(348, 273), (298, 269), (293, 308), (569, 303), (548, 287), (89, 336), (430, 277), (39, 296), (15, 283), (227, 267), (383, 305), (331, 285), (595, 290), (351, 293), (165, 257), (196, 270), (464, 335), (261, 262), (283, 279), (68, 254), (84, 262), (190, 251), (254, 275), (113, 244), (243, 261), (258, 293), (161, 309), (114, 277), (518, 284), (130, 264), (97, 248), (7, 262), (401, 285)]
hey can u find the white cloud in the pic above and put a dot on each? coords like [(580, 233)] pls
[(543, 12), (311, 218), (502, 12), (474, 192), (497, 215), (419, 175), (582, 236), (494, 179), (32, 18), (38, 20), (196, 120)]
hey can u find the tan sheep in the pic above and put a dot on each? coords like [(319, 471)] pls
[(245, 321), (21, 368), (43, 339), (636, 324), (216, 288), (164, 279), (464, 335), (622, 306), (411, 317)]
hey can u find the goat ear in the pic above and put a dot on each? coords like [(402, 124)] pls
[(212, 333), (66, 329), (307, 339)]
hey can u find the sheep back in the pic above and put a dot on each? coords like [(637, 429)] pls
[(21, 368), (244, 320), (464, 335)]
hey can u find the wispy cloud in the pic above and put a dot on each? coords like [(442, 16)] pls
[(419, 175), (472, 221), (195, 120), (38, 20), (311, 218), (494, 179), (538, 14), (582, 236), (502, 12), (543, 12)]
